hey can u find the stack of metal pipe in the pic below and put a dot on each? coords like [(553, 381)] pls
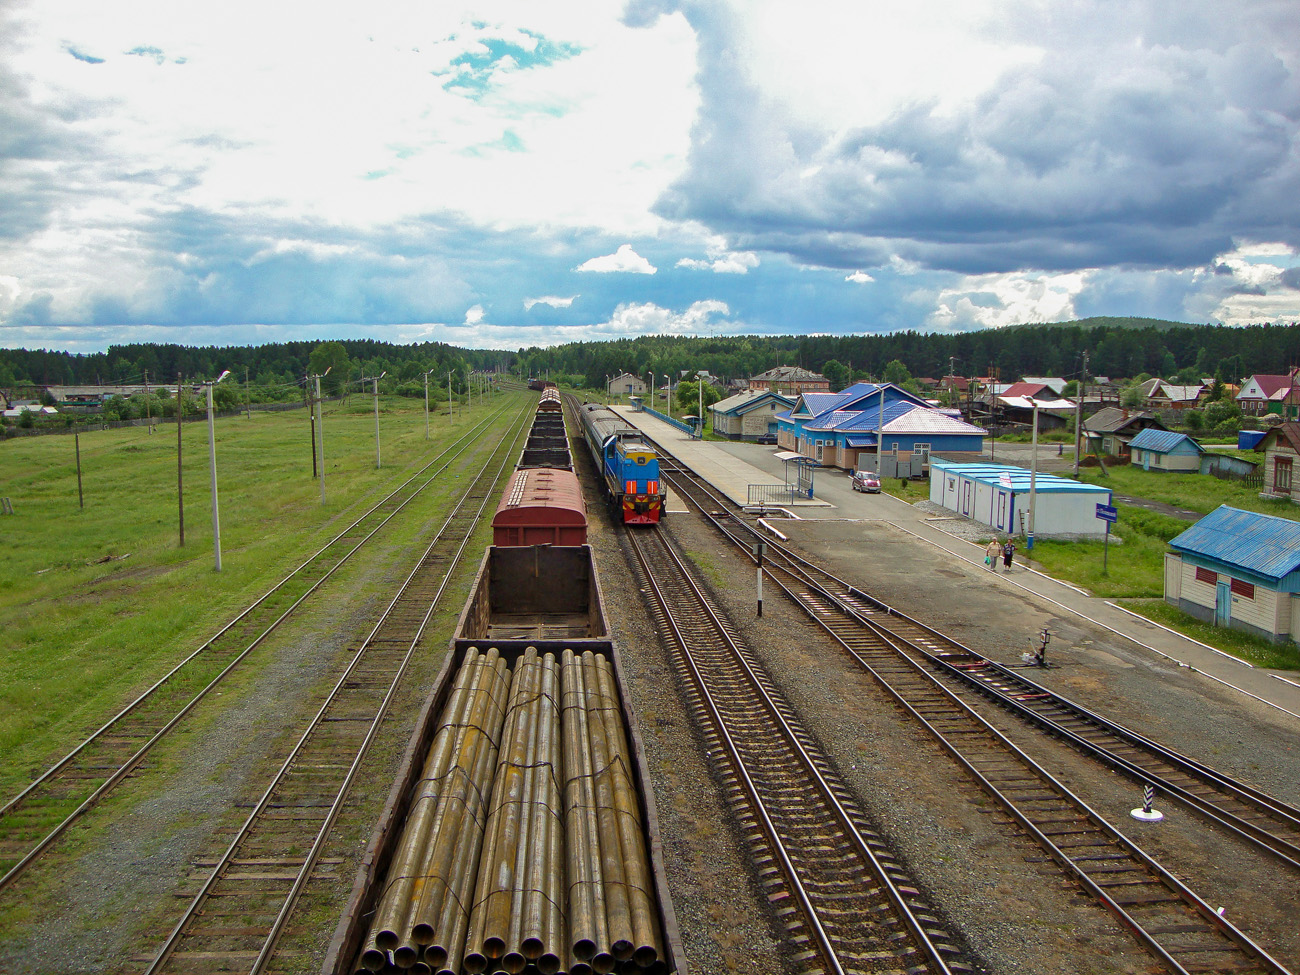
[(422, 914), (518, 917), (611, 914)]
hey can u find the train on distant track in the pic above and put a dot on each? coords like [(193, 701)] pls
[(521, 834), (628, 465)]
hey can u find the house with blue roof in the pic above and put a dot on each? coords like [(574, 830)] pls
[(865, 420), (1165, 450), (1238, 569), (998, 495)]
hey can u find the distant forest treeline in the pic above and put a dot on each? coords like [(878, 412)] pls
[(1116, 347)]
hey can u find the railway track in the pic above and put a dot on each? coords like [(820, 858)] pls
[(1183, 932), (34, 819), (846, 901), (244, 906), (1262, 820)]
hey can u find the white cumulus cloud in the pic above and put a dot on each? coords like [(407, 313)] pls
[(624, 259), (859, 277), (552, 300)]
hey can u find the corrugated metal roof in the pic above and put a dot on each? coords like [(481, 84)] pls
[(993, 473), (922, 420), (1162, 441), (1263, 544)]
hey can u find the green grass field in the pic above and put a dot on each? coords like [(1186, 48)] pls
[(1196, 492), (97, 602)]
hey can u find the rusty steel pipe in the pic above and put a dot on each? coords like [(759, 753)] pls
[(619, 945), (463, 820), (545, 805), (647, 939), (385, 934), (554, 921), (464, 782), (498, 849), (587, 928), (506, 875), (445, 934)]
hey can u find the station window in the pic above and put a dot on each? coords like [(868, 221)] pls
[(1205, 575), (1245, 590)]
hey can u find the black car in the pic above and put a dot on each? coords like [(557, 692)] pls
[(766, 438)]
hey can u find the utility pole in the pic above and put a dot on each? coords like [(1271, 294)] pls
[(76, 437), (320, 421), (248, 399), (180, 493), (377, 378), (148, 409), (1078, 416), (311, 416)]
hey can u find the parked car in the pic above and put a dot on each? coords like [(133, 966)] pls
[(766, 438), (866, 481)]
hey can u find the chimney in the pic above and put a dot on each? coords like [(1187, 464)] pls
[(1126, 413)]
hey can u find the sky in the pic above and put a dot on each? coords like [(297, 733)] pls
[(512, 173)]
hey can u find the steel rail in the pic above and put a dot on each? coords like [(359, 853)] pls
[(1141, 930), (133, 760), (168, 949), (913, 670), (1263, 820), (795, 741)]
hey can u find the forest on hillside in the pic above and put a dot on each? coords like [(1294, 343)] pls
[(1116, 348)]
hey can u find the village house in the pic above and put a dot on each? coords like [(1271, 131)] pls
[(1238, 569), (746, 416), (1112, 429), (1281, 447), (791, 379), (1261, 394), (1164, 450)]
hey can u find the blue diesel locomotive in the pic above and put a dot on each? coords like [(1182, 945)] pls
[(628, 465)]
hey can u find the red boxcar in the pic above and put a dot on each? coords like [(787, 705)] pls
[(541, 506)]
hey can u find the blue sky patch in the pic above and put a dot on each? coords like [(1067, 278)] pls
[(476, 69), (88, 59)]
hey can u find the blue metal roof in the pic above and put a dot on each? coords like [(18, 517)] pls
[(992, 474), (860, 440), (1163, 441), (1263, 544)]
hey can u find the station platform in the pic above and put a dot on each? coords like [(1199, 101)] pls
[(728, 473)]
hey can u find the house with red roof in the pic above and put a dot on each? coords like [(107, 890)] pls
[(1270, 394)]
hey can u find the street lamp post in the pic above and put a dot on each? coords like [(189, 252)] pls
[(376, 381), (668, 386), (320, 429), (1033, 476), (426, 405), (212, 464)]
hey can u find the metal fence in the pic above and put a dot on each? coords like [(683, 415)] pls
[(672, 420), (774, 494)]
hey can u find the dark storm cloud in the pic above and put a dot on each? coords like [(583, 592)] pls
[(1133, 143), (1291, 278)]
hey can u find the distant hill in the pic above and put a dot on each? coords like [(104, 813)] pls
[(1104, 321)]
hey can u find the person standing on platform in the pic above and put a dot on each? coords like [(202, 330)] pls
[(1008, 550), (991, 553)]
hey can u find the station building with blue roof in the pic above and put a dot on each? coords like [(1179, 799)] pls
[(998, 496), (1165, 450), (1239, 569), (836, 428)]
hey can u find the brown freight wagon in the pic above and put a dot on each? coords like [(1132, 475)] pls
[(541, 506), (477, 621)]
